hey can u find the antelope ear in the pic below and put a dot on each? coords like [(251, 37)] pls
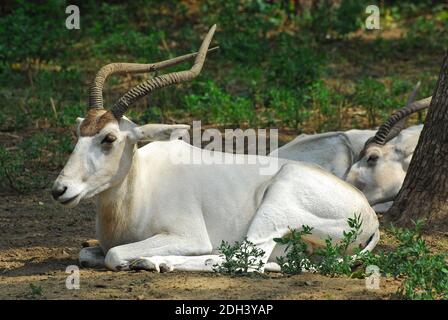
[(158, 132)]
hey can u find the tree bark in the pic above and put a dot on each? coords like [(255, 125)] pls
[(424, 194)]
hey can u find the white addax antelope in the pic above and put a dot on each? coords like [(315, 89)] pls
[(156, 211), (342, 152), (334, 151), (381, 166), (339, 153)]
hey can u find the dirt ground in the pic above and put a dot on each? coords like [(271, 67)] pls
[(39, 239)]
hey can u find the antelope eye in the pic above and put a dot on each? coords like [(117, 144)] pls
[(372, 158), (109, 138)]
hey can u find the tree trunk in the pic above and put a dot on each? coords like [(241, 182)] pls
[(424, 194)]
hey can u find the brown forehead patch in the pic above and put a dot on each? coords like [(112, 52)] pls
[(95, 120)]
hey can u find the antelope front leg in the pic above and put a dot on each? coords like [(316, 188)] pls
[(180, 263), (128, 256)]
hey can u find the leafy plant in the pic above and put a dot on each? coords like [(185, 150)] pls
[(35, 291), (296, 259), (330, 260), (239, 258), (333, 259), (425, 274)]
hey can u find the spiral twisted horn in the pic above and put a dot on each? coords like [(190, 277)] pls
[(383, 134), (130, 97), (396, 129), (96, 88)]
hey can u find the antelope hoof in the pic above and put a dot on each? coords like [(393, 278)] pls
[(151, 264)]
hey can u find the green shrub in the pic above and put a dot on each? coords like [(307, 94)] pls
[(66, 114), (239, 258), (425, 275), (296, 259), (142, 47), (330, 260), (16, 174), (333, 259), (35, 291)]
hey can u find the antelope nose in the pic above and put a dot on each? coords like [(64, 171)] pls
[(58, 190)]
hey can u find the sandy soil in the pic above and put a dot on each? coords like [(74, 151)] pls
[(40, 239)]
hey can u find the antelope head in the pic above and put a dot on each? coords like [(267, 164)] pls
[(381, 167)]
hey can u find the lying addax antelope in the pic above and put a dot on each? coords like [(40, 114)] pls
[(338, 151), (334, 151), (154, 210), (382, 164)]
